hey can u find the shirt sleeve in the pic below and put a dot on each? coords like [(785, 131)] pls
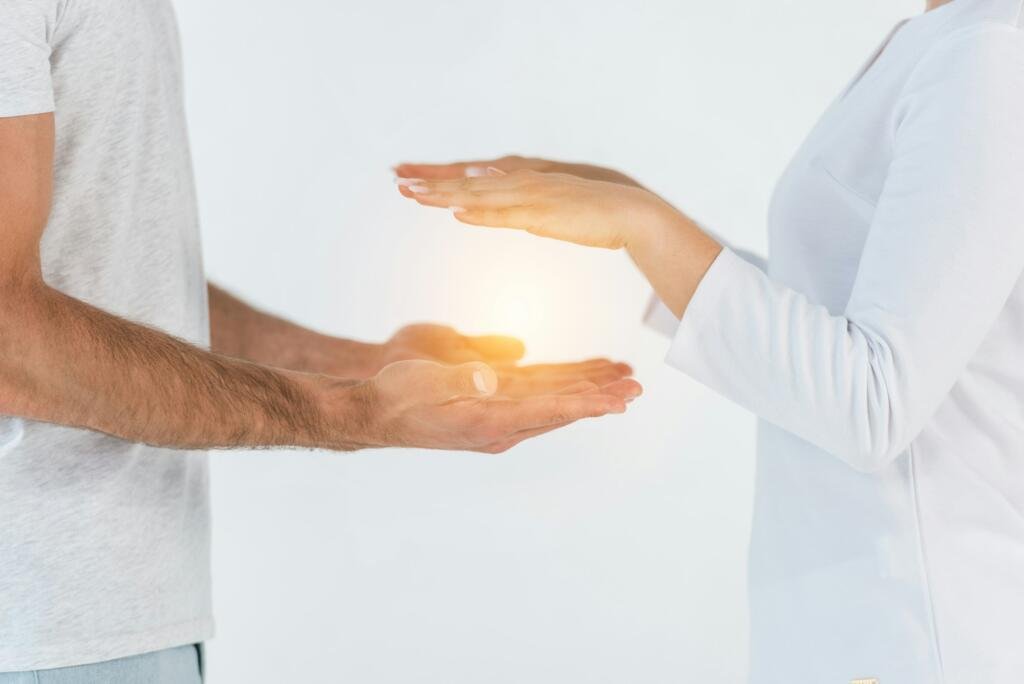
[(944, 252), (660, 318), (25, 85)]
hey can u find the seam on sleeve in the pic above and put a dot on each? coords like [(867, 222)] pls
[(955, 38)]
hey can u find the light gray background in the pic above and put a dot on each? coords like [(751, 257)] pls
[(610, 552)]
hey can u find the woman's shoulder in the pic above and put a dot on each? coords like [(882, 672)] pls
[(985, 51)]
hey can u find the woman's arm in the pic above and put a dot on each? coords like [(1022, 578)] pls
[(671, 249), (945, 250)]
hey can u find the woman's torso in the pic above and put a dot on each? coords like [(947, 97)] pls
[(916, 574)]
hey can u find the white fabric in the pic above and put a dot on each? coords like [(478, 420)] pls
[(660, 318), (104, 544), (884, 352)]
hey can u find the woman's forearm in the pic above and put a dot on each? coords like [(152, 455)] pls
[(674, 254)]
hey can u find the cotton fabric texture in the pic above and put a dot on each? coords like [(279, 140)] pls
[(881, 349), (104, 544)]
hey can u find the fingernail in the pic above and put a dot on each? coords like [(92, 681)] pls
[(419, 189), (408, 181), (457, 210), (475, 171), (482, 382), (494, 171)]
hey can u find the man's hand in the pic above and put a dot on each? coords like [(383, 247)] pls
[(243, 332), (445, 345), (429, 405)]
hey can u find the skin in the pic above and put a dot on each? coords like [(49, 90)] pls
[(579, 203), (603, 208), (238, 330), (266, 382)]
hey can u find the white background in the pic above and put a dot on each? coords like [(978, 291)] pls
[(613, 551)]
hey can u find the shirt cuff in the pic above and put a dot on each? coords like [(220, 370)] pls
[(699, 338), (659, 317)]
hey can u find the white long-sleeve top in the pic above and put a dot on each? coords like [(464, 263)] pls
[(883, 350)]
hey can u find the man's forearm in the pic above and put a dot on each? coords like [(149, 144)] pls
[(63, 361), (241, 331)]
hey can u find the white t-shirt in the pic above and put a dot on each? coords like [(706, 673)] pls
[(884, 353), (104, 544)]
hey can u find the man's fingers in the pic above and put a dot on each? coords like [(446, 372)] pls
[(522, 381), (626, 389), (583, 370), (498, 348), (537, 412), (426, 382), (579, 388), (573, 366), (519, 388), (513, 440)]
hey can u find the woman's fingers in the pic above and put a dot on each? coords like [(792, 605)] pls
[(529, 219), (522, 200), (470, 169), (554, 205), (432, 171), (491, 191)]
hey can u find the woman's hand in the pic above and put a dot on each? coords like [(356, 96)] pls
[(479, 167), (670, 249), (556, 205)]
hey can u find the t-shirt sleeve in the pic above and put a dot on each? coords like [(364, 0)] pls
[(25, 84), (943, 254)]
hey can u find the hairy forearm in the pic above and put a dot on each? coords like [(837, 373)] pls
[(241, 331), (63, 361), (674, 254)]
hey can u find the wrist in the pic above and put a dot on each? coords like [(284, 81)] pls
[(673, 253), (656, 226), (345, 413), (346, 358)]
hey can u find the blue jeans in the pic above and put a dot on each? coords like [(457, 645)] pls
[(181, 665)]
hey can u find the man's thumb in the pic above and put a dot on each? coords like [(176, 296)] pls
[(470, 380)]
